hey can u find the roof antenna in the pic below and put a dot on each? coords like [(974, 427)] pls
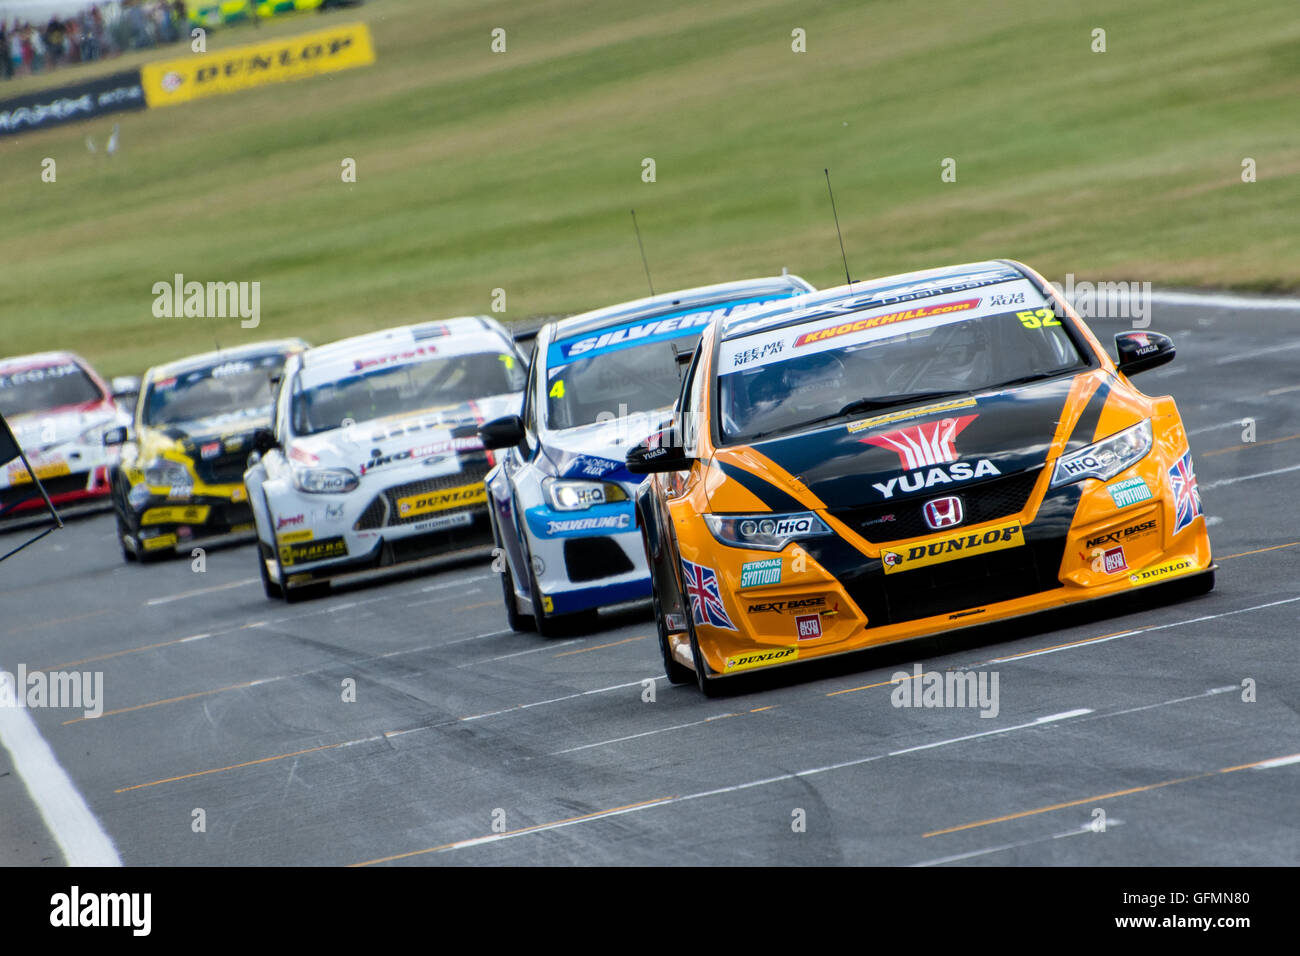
[(642, 248), (837, 227)]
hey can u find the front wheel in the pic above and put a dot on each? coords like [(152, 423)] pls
[(709, 686), (677, 673), (274, 591)]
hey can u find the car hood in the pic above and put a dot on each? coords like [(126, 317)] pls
[(36, 431), (926, 449), (233, 431), (599, 450), (436, 436)]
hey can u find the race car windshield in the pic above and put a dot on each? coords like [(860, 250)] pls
[(957, 356), (402, 389), (44, 387), (237, 388), (622, 382)]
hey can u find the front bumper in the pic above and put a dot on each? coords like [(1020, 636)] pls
[(841, 593), (216, 515), (587, 559)]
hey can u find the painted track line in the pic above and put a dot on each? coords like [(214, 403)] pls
[(69, 820)]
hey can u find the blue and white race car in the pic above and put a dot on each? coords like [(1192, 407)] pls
[(560, 496), (375, 458)]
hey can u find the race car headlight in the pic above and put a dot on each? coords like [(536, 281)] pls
[(324, 481), (581, 495), (1107, 458), (767, 532), (162, 471)]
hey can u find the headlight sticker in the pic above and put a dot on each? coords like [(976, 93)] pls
[(757, 573), (1130, 491)]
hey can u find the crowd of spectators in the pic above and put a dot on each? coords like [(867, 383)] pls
[(99, 31)]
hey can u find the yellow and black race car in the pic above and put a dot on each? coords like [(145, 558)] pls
[(180, 480), (919, 453)]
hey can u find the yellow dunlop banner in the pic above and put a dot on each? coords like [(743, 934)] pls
[(241, 67)]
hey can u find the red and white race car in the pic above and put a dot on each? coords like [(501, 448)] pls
[(58, 408)]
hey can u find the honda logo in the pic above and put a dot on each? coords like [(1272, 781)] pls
[(943, 512)]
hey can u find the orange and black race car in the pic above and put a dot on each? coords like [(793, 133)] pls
[(919, 453)]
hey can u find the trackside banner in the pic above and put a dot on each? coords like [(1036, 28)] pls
[(241, 67), (66, 104)]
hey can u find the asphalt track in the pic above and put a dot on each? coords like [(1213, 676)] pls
[(468, 744)]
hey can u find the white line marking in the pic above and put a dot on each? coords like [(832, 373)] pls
[(154, 602), (506, 657), (1052, 718), (1232, 481), (1226, 300), (1279, 762), (958, 857), (556, 700), (1283, 390), (1138, 630), (648, 733), (1257, 353), (71, 823), (856, 762)]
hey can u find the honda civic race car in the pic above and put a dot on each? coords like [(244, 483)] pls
[(180, 481), (59, 409), (375, 458), (561, 497), (932, 451)]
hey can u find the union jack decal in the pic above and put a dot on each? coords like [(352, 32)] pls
[(1187, 498), (706, 599), (934, 443)]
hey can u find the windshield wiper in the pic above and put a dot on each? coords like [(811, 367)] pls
[(861, 405), (1033, 377)]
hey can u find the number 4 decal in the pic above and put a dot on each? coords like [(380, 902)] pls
[(557, 390)]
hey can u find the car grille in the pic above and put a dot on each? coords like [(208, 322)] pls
[(225, 469), (382, 511), (984, 501), (589, 559), (958, 585)]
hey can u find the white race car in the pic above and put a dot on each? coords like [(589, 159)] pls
[(59, 410), (562, 499), (374, 459)]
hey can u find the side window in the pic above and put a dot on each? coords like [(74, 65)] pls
[(688, 405), (530, 397)]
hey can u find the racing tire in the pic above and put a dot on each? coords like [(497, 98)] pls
[(709, 686), (519, 623), (274, 591), (306, 592), (677, 673), (123, 532), (557, 625)]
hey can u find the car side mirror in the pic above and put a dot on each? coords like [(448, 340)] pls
[(115, 436), (507, 432), (264, 440), (1139, 351), (643, 460)]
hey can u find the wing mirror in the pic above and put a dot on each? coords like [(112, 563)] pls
[(643, 460), (507, 432), (1139, 351)]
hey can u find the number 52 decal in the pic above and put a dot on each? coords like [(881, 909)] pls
[(1038, 318)]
